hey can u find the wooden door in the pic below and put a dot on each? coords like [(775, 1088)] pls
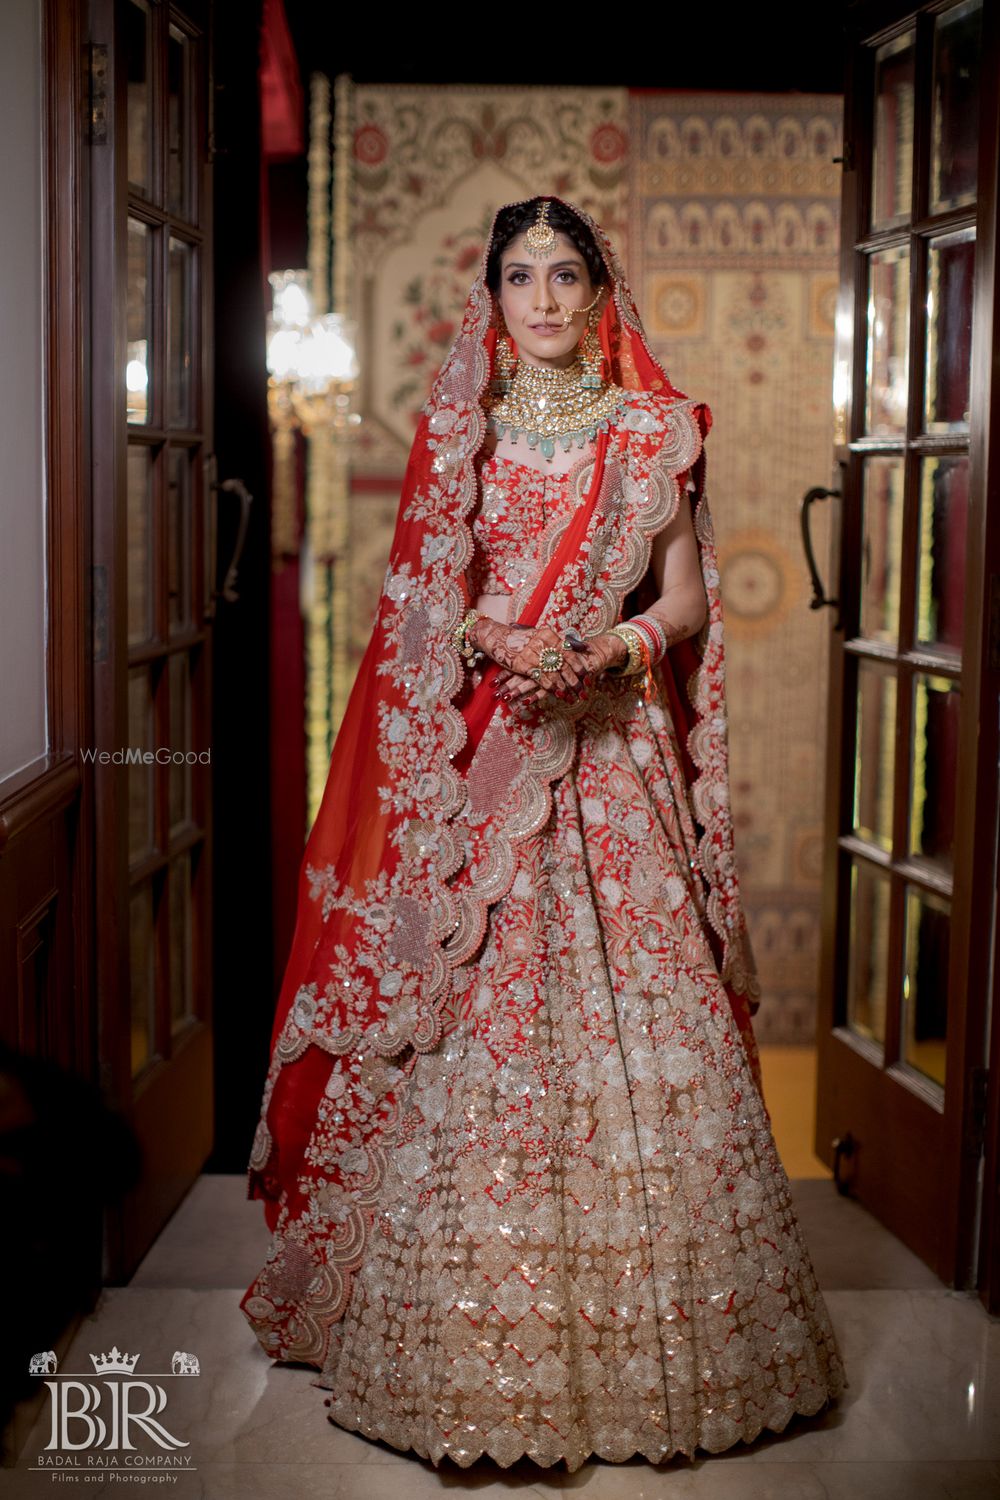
[(153, 588), (912, 755)]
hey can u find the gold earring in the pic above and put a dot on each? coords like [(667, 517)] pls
[(505, 362), (592, 355)]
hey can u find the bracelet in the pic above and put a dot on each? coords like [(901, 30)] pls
[(654, 633), (460, 637), (638, 652)]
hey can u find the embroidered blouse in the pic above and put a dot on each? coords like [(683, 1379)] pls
[(517, 502)]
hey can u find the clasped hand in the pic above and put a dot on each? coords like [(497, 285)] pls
[(517, 650)]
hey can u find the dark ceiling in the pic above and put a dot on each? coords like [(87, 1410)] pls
[(751, 48)]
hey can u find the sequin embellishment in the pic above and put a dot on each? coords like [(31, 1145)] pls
[(517, 503)]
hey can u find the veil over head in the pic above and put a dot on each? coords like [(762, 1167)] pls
[(433, 781)]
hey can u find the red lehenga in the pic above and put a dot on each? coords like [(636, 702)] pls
[(523, 1188)]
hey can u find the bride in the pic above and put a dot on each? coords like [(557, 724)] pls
[(521, 1181)]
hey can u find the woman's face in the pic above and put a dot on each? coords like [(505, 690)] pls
[(531, 291)]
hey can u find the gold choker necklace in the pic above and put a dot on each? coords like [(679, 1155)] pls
[(549, 405)]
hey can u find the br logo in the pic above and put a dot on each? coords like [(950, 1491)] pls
[(87, 1415)]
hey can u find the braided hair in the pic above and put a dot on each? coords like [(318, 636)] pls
[(515, 219)]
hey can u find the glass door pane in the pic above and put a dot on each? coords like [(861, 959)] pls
[(139, 354), (875, 753), (180, 121), (934, 768), (954, 133), (180, 538), (882, 542), (179, 333), (141, 738), (180, 741), (140, 543), (940, 596), (951, 262), (869, 952), (892, 157), (136, 40), (925, 984), (888, 342)]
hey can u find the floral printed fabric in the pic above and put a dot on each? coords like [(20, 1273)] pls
[(584, 1242)]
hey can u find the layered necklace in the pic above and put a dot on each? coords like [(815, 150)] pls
[(549, 404)]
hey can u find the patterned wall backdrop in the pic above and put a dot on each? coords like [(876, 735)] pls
[(725, 211), (733, 227)]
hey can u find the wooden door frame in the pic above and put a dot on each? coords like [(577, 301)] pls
[(985, 459), (44, 816), (950, 1245), (57, 787), (976, 808)]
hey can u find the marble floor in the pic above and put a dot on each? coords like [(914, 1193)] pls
[(920, 1421)]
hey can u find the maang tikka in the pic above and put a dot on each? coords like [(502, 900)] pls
[(540, 237)]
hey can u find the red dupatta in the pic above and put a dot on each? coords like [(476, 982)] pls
[(432, 783)]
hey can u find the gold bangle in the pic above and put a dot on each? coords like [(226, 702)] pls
[(460, 637), (633, 664)]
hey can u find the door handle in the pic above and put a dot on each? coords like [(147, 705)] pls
[(230, 486), (844, 1147), (819, 598), (235, 487)]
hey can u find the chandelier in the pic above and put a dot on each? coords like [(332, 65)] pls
[(311, 359)]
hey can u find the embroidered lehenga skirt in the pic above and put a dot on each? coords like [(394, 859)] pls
[(585, 1242)]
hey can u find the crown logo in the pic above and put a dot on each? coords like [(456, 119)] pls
[(114, 1363)]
